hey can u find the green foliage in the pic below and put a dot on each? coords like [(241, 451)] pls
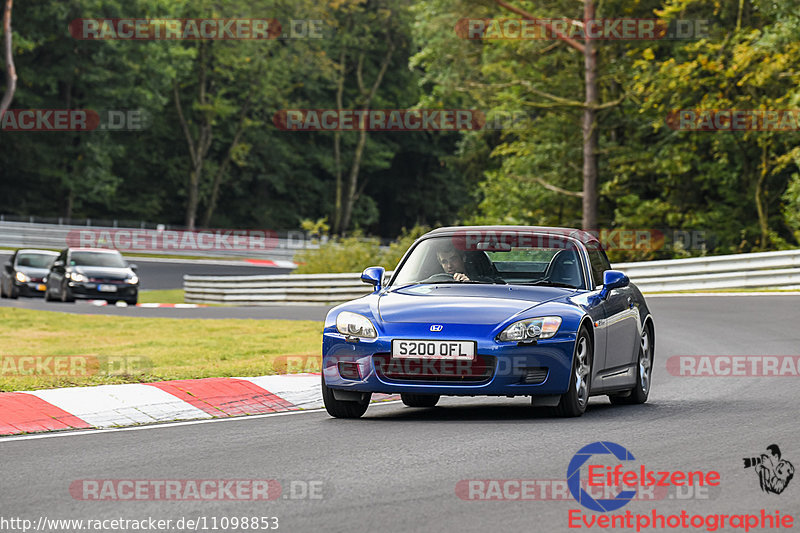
[(356, 252)]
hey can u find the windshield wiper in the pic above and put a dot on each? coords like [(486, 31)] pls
[(548, 283)]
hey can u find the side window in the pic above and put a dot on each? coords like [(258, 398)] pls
[(600, 264)]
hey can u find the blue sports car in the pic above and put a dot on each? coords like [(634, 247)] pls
[(492, 310)]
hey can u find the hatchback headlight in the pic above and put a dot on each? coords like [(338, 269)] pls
[(22, 278), (77, 277), (133, 280), (355, 325), (531, 329)]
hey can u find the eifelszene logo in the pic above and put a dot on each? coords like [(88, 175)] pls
[(774, 473), (594, 456)]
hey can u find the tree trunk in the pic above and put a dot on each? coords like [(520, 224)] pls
[(337, 149), (760, 194), (197, 149), (223, 168), (11, 72), (590, 127), (352, 195)]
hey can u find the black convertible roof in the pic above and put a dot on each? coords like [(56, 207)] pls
[(581, 236)]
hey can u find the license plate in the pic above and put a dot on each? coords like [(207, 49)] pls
[(40, 287), (107, 288), (462, 350)]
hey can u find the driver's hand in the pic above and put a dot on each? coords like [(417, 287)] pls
[(458, 276)]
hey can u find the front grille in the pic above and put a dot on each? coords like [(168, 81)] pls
[(434, 370), (105, 280)]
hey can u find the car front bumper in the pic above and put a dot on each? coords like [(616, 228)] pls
[(500, 369), (30, 288), (90, 291)]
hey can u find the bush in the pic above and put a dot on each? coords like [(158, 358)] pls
[(355, 253)]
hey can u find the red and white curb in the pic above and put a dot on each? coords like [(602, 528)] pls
[(107, 406), (279, 263), (102, 303)]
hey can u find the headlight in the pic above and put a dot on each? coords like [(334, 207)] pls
[(133, 280), (354, 325), (75, 276), (22, 278), (531, 329)]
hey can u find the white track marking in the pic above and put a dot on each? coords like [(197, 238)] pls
[(303, 390), (117, 405), (92, 432)]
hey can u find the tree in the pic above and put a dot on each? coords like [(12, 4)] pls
[(11, 73)]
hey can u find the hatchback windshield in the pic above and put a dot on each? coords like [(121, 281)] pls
[(35, 260), (537, 260), (100, 259)]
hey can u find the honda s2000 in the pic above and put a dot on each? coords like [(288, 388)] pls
[(492, 310)]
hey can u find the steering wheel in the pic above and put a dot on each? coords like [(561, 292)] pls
[(442, 276)]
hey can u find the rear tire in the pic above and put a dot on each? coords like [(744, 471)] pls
[(2, 292), (644, 373), (341, 408), (419, 400), (573, 402)]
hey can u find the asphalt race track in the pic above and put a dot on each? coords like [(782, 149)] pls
[(397, 468)]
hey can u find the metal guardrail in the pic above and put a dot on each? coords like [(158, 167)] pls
[(269, 290), (745, 271), (769, 269)]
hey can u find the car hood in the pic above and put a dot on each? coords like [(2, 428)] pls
[(463, 303), (33, 272), (104, 272)]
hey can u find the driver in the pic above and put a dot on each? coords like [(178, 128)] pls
[(452, 262)]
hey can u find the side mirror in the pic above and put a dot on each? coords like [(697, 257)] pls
[(373, 276), (613, 279), (133, 266)]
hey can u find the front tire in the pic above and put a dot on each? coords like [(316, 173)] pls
[(66, 294), (341, 408), (644, 374), (419, 400), (573, 402)]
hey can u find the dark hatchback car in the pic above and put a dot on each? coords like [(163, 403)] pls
[(92, 274), (24, 273)]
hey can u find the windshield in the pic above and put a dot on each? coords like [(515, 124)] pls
[(100, 259), (33, 260), (453, 260)]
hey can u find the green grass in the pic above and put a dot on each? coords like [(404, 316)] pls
[(174, 296), (170, 348)]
